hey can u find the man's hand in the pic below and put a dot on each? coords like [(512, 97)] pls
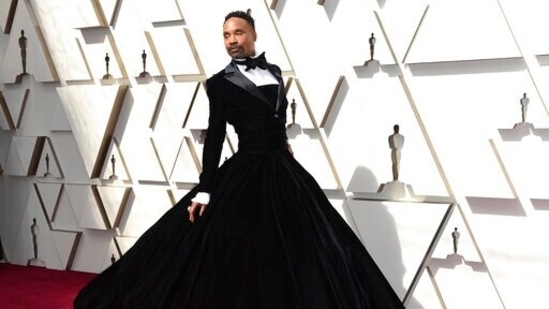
[(192, 209)]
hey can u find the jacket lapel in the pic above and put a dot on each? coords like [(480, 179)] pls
[(233, 74), (281, 90)]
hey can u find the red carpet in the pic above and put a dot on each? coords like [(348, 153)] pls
[(29, 287)]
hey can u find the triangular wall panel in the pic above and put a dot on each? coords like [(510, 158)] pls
[(38, 61), (438, 39)]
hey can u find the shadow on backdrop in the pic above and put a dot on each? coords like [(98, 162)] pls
[(378, 228)]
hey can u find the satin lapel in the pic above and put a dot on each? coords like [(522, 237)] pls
[(281, 90), (234, 75)]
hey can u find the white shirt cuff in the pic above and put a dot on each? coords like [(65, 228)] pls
[(201, 198)]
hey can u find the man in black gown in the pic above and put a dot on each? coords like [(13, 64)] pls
[(257, 232)]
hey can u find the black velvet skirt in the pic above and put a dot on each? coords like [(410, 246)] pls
[(269, 238)]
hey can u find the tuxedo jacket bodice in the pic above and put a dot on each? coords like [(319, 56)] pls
[(258, 120)]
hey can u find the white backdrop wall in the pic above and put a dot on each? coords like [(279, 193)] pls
[(450, 74)]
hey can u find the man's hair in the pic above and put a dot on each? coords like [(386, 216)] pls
[(240, 14)]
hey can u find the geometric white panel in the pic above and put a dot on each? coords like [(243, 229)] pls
[(37, 58), (61, 20), (58, 120), (465, 242), (5, 139), (185, 168), (514, 250), (4, 10), (425, 295), (19, 156), (50, 195), (178, 194), (46, 250), (114, 168), (527, 165), (167, 147), (36, 117), (107, 9), (174, 50), (132, 40), (125, 243), (65, 243), (407, 229), (528, 20), (16, 99), (85, 207), (65, 217), (88, 109), (467, 123), (69, 157), (133, 134), (456, 277), (359, 136), (444, 36), (92, 249), (113, 199), (146, 208), (400, 19), (14, 191), (302, 111), (143, 164), (6, 122), (307, 148), (174, 106), (101, 54), (48, 166), (198, 115), (112, 255), (20, 250), (161, 10)]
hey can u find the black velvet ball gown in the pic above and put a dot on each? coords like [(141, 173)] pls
[(269, 237)]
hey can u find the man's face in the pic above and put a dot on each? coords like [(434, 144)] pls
[(239, 38)]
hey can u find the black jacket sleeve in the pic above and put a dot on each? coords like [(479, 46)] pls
[(215, 135)]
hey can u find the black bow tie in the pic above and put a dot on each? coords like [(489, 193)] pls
[(252, 63)]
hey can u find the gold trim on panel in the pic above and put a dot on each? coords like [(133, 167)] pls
[(98, 9), (83, 54), (155, 54), (47, 55), (109, 131), (42, 206), (11, 17), (189, 111), (117, 55), (57, 202), (36, 155), (101, 207), (55, 157), (6, 112), (158, 107), (335, 94), (415, 34), (196, 159), (273, 4), (322, 135), (23, 106), (72, 254), (194, 51), (164, 173), (115, 13)]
